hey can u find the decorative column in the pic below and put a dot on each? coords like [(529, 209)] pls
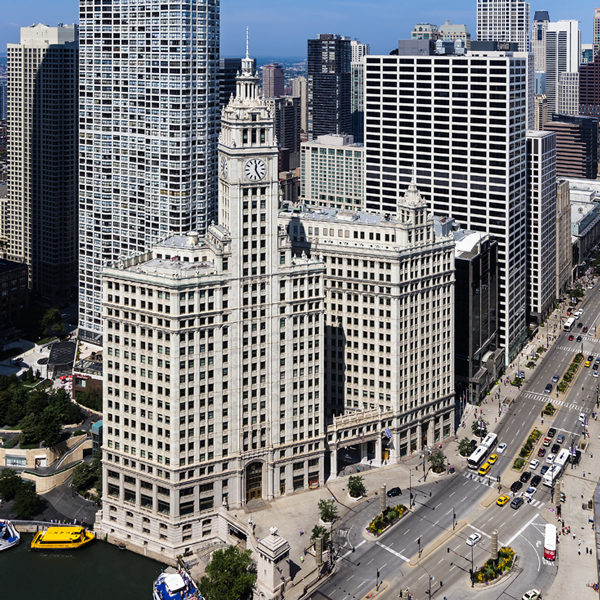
[(272, 566)]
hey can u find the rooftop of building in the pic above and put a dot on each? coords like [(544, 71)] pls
[(535, 133), (6, 266), (335, 139), (334, 215), (467, 241), (541, 15)]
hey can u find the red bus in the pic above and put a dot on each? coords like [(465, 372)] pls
[(550, 542)]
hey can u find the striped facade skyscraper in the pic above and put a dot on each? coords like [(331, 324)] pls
[(149, 103), (504, 21)]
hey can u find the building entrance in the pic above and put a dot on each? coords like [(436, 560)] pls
[(254, 481)]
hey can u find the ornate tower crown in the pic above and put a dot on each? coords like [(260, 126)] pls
[(247, 79)]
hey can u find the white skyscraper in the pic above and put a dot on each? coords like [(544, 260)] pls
[(541, 18), (541, 260), (504, 21), (148, 131), (359, 50), (563, 52), (461, 122)]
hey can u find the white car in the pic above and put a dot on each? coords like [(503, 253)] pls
[(473, 539), (550, 458), (500, 448), (582, 418), (529, 492), (595, 372), (532, 595), (534, 464)]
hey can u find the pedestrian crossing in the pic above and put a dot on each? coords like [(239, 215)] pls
[(492, 482), (545, 398)]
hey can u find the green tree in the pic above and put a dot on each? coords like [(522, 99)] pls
[(9, 484), (83, 477), (327, 511), (27, 503), (437, 461), (49, 428), (91, 399), (30, 430), (16, 407), (50, 318), (319, 531), (464, 447), (479, 427), (230, 575), (356, 486)]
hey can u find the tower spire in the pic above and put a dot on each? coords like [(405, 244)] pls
[(247, 44)]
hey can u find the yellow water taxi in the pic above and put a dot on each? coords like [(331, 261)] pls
[(61, 538)]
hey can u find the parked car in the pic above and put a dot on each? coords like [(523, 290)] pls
[(560, 439), (555, 448), (551, 432), (533, 465), (516, 486), (550, 458), (535, 481), (547, 441), (542, 452), (544, 469)]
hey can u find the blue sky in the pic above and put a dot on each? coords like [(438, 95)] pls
[(281, 27)]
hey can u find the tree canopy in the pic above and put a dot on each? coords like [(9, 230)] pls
[(230, 575)]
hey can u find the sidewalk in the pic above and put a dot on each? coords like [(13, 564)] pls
[(299, 512)]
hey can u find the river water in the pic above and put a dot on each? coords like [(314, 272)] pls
[(97, 572)]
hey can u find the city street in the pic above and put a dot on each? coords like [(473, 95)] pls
[(469, 501)]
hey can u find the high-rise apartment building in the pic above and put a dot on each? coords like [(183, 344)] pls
[(449, 119), (563, 46), (452, 32), (568, 94), (3, 97), (149, 103), (596, 31), (564, 252), (300, 90), (332, 172), (576, 145), (541, 111), (589, 89), (425, 31), (213, 360), (358, 50), (504, 21), (541, 18), (41, 226), (389, 310), (273, 81), (357, 99), (329, 58), (227, 73), (541, 223), (287, 130)]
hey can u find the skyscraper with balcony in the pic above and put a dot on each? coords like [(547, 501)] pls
[(329, 58), (504, 21), (148, 130), (41, 226)]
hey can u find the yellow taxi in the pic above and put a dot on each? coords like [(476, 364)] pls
[(502, 500), (484, 468), (492, 459)]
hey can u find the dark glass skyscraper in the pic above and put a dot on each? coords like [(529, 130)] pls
[(329, 58)]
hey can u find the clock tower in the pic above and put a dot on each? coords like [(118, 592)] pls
[(249, 176)]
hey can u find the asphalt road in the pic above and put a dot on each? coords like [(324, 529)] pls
[(460, 496)]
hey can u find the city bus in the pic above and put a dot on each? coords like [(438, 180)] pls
[(569, 324), (555, 471), (562, 458), (550, 542), (481, 452)]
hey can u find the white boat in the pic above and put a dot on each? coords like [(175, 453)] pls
[(175, 585), (9, 536)]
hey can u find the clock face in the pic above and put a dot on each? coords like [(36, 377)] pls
[(224, 167), (255, 169)]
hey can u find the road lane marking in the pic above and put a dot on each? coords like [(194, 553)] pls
[(392, 551), (514, 537), (479, 531), (452, 494)]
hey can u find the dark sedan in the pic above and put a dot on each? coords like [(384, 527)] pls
[(516, 486), (395, 491), (536, 481), (525, 477)]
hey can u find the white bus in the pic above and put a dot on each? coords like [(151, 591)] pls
[(550, 542), (481, 452), (569, 324), (474, 461), (555, 471)]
